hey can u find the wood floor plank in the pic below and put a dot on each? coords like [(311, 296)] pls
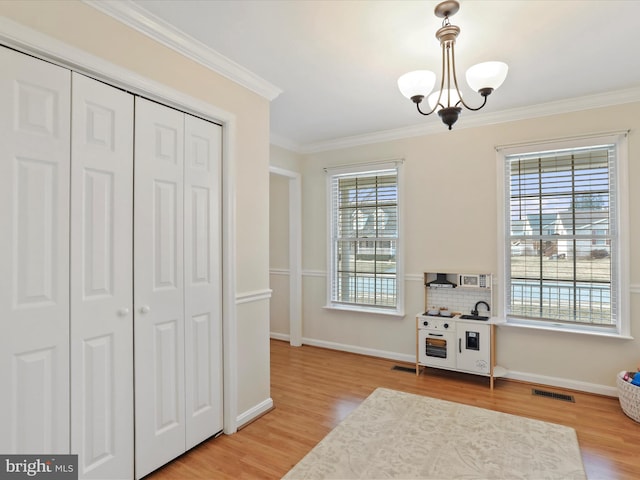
[(313, 389)]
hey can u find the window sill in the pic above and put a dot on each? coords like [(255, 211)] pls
[(373, 311), (564, 329)]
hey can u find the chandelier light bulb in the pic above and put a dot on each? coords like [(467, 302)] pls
[(487, 75), (416, 83), (449, 100)]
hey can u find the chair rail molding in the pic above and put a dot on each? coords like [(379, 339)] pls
[(314, 273), (279, 271), (253, 296)]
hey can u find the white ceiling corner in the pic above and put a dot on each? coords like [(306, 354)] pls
[(337, 62), (476, 120), (163, 32)]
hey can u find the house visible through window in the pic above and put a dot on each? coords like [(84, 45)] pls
[(363, 268), (563, 253)]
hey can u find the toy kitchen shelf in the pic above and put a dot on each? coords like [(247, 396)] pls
[(447, 340)]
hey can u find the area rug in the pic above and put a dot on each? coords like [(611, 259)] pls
[(404, 436)]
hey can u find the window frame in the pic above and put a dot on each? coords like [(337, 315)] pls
[(622, 327), (365, 169)]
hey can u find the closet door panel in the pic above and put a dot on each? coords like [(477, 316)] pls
[(101, 279), (203, 305), (158, 285), (34, 255)]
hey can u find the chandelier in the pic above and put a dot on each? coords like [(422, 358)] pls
[(484, 78)]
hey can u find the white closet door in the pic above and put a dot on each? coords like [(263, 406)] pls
[(101, 279), (203, 304), (34, 255), (158, 285)]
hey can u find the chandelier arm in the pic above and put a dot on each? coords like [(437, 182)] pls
[(455, 76), (477, 108), (444, 52), (435, 106), (423, 113), (455, 82), (449, 64)]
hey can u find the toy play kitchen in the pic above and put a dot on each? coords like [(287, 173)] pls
[(456, 330)]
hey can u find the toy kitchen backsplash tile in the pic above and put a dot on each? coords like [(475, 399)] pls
[(458, 299)]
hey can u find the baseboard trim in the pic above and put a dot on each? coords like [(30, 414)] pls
[(563, 383), (254, 413), (371, 352), (513, 375), (280, 336)]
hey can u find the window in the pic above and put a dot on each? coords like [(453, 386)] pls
[(364, 241), (564, 253)]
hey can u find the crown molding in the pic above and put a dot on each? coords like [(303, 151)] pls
[(617, 97), (162, 32), (148, 24), (282, 142)]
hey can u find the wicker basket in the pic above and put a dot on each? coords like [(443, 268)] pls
[(629, 396)]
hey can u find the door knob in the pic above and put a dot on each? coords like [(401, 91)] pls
[(123, 312), (145, 309)]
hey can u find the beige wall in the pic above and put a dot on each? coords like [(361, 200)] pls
[(279, 238), (450, 224), (285, 159), (279, 254), (85, 28)]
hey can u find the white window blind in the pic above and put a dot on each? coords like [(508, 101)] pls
[(561, 223), (364, 239)]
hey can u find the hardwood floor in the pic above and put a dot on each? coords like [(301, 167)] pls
[(313, 389)]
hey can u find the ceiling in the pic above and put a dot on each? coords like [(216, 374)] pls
[(337, 62)]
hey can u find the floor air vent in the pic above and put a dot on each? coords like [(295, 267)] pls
[(556, 396), (404, 369)]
